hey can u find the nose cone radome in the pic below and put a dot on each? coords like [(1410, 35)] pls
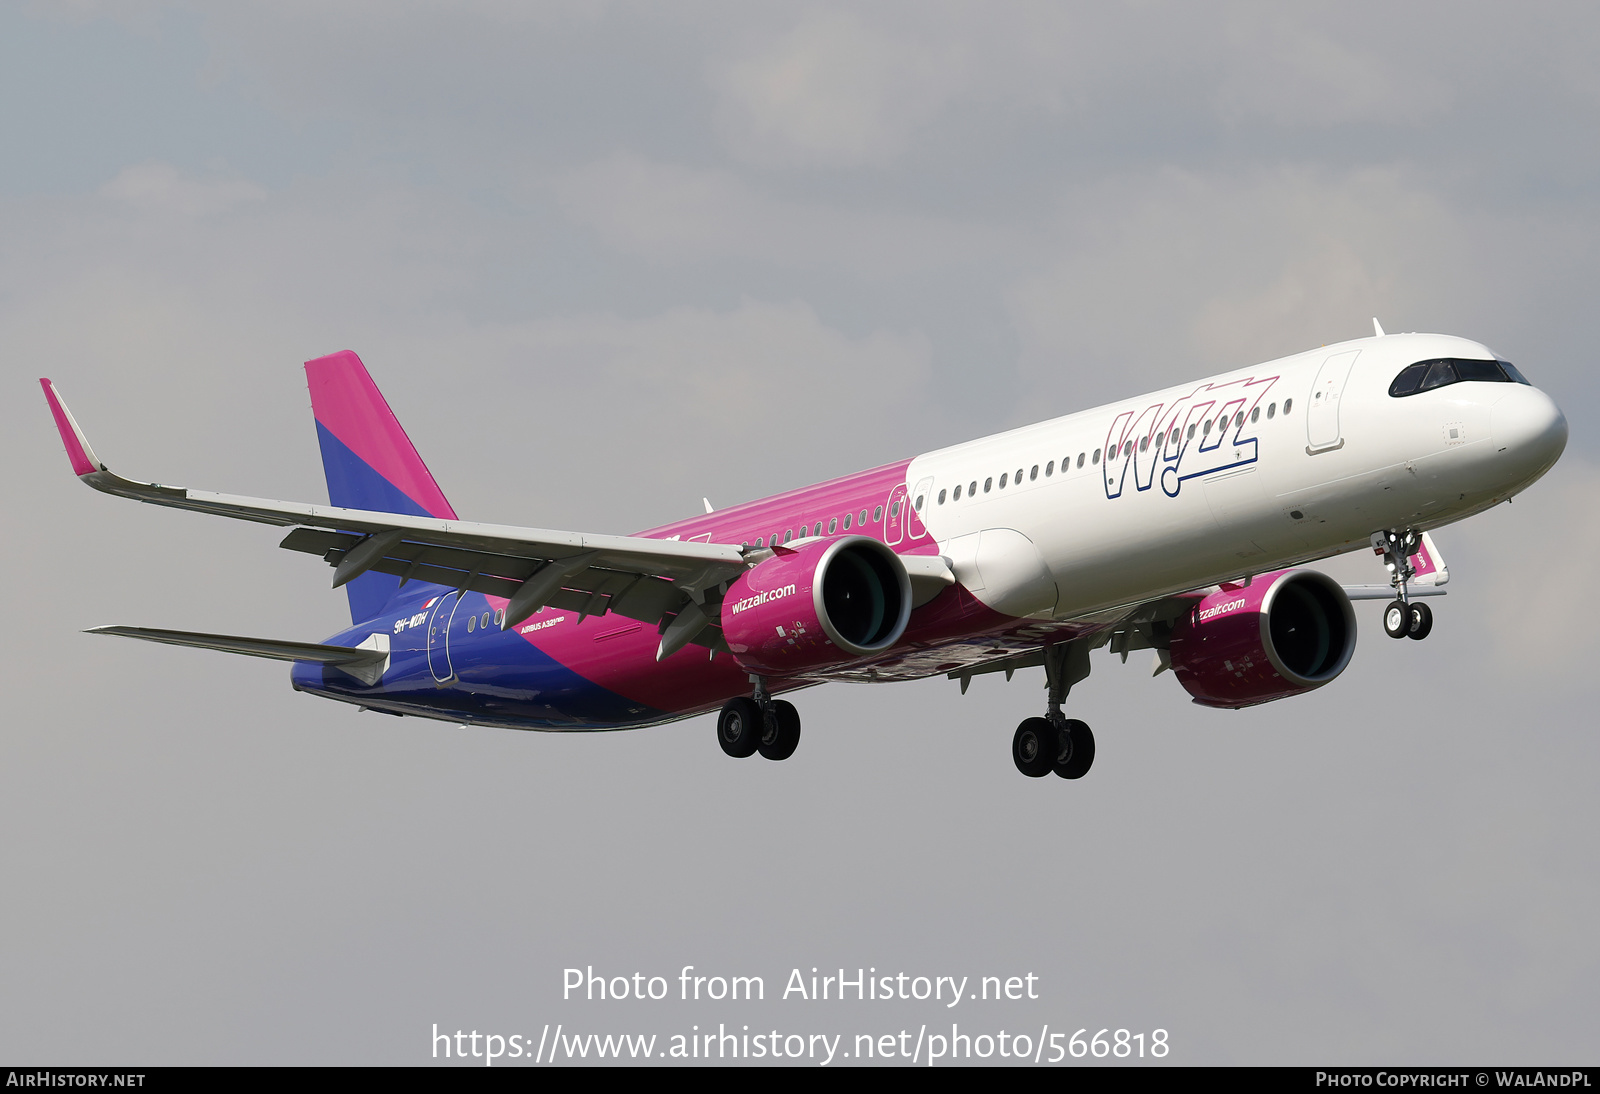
[(1529, 430)]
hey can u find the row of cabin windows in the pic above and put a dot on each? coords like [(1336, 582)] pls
[(816, 529), (497, 617), (1164, 437)]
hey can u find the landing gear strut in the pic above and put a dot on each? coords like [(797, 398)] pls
[(1402, 618), (1055, 742), (758, 724)]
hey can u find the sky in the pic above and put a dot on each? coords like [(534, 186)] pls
[(607, 258)]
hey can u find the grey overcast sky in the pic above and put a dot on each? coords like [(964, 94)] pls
[(606, 258)]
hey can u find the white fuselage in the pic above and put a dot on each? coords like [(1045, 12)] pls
[(1314, 457)]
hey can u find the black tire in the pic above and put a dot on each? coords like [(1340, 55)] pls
[(1081, 755), (1396, 619), (1033, 747), (739, 727), (1421, 622), (781, 739)]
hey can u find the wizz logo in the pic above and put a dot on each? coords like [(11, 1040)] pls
[(1210, 430)]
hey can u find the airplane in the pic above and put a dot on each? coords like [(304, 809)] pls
[(1177, 522)]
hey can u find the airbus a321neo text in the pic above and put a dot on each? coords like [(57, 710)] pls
[(1174, 522)]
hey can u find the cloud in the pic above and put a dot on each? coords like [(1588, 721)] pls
[(1533, 588), (160, 188), (832, 90), (1176, 273), (677, 213)]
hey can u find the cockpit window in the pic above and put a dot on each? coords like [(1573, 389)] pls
[(1511, 370), (1427, 375)]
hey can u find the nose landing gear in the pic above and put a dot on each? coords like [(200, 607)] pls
[(1402, 618), (761, 724)]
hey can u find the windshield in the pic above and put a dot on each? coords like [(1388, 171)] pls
[(1443, 371)]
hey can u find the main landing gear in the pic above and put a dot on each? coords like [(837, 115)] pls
[(1402, 618), (1041, 746), (759, 724), (1055, 742)]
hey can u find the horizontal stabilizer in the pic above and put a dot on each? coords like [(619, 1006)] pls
[(1387, 592), (365, 663)]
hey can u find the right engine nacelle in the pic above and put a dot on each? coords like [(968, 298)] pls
[(1284, 633), (823, 603)]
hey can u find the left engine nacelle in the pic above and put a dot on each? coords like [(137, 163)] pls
[(1284, 633), (823, 603)]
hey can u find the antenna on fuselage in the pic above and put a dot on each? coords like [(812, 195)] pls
[(1377, 327), (707, 503)]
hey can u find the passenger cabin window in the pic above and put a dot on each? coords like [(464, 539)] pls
[(972, 488), (1272, 410), (1287, 405), (862, 519), (1050, 468), (1096, 456), (1002, 482), (1444, 371), (987, 483), (1255, 415), (1080, 459), (833, 525), (941, 496), (1018, 476), (958, 492), (877, 513), (847, 517), (817, 531)]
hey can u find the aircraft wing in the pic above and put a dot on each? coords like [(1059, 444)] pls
[(645, 579)]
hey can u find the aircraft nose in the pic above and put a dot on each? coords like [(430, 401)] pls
[(1528, 427)]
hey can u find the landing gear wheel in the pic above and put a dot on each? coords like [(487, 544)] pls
[(1034, 747), (780, 738), (739, 727), (1397, 619), (1421, 620), (1079, 757)]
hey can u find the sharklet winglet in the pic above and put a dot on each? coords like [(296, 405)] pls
[(84, 461)]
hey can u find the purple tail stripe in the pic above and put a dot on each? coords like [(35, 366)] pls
[(349, 406)]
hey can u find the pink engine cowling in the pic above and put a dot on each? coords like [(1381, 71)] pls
[(1282, 634), (823, 603)]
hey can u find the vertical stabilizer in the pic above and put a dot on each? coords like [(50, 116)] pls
[(369, 461)]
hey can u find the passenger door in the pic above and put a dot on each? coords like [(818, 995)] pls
[(1323, 433)]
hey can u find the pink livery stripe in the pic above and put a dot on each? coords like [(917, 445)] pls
[(84, 461), (349, 406)]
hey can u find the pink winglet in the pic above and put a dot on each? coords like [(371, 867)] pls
[(349, 405), (1421, 562), (1427, 563), (82, 456)]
